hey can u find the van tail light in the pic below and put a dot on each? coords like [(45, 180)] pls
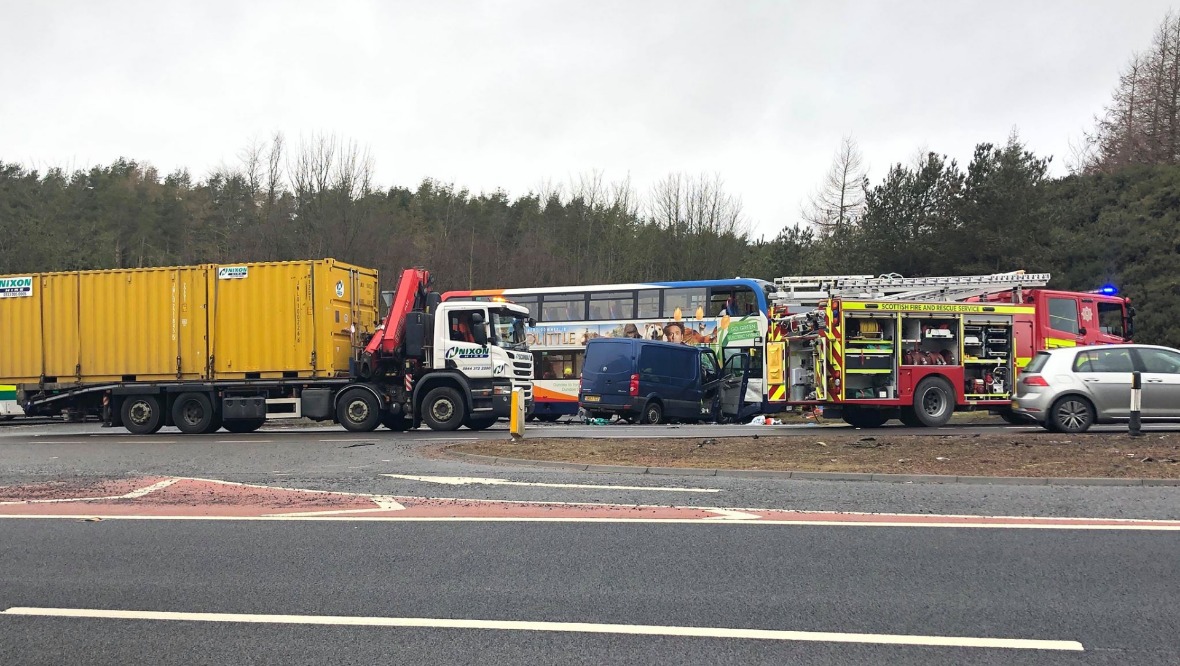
[(633, 389), (1035, 380)]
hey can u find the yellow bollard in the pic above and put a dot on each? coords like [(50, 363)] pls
[(517, 417)]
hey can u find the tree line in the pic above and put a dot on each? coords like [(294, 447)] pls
[(1114, 219)]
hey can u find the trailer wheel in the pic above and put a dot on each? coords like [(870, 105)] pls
[(480, 424), (243, 425), (141, 414), (934, 402), (192, 414), (358, 410), (443, 409)]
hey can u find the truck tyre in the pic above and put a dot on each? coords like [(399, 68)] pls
[(909, 417), (192, 414), (396, 422), (480, 424), (358, 410), (934, 402), (653, 413), (243, 425), (865, 417), (141, 414), (443, 409)]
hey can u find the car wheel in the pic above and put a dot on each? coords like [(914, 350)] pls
[(141, 414), (443, 409), (358, 410), (192, 414), (653, 413), (1072, 414), (934, 402)]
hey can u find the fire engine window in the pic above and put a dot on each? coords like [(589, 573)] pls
[(607, 306), (563, 307), (649, 304), (687, 299), (1110, 318), (1063, 315), (558, 364)]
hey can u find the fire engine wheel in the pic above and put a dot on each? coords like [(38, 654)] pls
[(934, 402), (909, 417), (142, 415), (192, 414), (358, 410), (653, 413), (443, 409), (243, 425), (865, 417), (480, 424)]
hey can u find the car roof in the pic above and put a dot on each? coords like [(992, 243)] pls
[(1132, 345)]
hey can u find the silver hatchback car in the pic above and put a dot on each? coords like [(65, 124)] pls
[(1070, 389)]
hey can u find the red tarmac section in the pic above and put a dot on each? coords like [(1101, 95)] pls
[(182, 497)]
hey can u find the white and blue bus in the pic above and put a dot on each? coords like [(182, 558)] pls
[(729, 315), (8, 405)]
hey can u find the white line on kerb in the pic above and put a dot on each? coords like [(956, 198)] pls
[(573, 627), (471, 480)]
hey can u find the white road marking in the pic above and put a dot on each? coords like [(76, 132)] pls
[(730, 514), (567, 627), (471, 480), (385, 502), (134, 494), (352, 439), (244, 441)]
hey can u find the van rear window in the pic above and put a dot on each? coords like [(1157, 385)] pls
[(610, 357)]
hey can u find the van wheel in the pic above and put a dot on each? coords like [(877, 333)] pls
[(934, 402), (141, 415), (443, 409), (653, 413), (358, 410), (243, 425), (192, 414), (1071, 414)]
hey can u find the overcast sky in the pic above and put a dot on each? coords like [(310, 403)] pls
[(512, 94)]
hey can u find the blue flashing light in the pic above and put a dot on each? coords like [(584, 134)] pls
[(1109, 290)]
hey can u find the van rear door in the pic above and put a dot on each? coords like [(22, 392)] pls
[(606, 371)]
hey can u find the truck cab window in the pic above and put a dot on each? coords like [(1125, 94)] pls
[(1063, 315)]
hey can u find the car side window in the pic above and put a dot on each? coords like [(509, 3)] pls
[(1084, 362), (1110, 360), (1160, 361)]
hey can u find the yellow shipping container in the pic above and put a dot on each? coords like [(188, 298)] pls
[(263, 320)]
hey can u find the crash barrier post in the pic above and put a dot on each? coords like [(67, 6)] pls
[(1135, 424), (517, 417)]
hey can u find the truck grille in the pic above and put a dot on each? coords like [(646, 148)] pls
[(522, 369)]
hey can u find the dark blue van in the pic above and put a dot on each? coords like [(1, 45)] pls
[(653, 382)]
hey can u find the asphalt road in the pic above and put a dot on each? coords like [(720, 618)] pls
[(1114, 593), (331, 459)]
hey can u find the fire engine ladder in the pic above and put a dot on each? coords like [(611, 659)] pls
[(810, 290)]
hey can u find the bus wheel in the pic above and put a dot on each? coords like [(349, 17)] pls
[(192, 414), (443, 409), (243, 425), (358, 410), (934, 402), (141, 414)]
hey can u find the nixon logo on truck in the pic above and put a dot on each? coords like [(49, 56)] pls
[(466, 353), (16, 287), (233, 272)]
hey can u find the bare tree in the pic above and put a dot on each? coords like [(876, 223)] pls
[(839, 201)]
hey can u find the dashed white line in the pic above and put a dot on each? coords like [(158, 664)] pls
[(471, 480)]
